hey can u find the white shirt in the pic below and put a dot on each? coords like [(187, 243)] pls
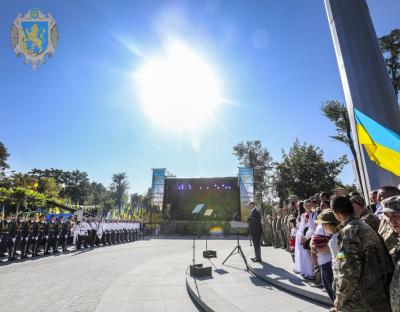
[(379, 210), (334, 250), (322, 258)]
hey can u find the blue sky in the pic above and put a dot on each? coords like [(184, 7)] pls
[(80, 110)]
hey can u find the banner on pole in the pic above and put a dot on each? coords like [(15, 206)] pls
[(157, 187), (246, 186)]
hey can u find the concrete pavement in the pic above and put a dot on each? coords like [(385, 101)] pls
[(143, 276), (233, 289)]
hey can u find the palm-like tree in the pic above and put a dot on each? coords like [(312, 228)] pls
[(119, 188)]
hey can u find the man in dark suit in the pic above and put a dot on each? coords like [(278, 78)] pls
[(255, 229)]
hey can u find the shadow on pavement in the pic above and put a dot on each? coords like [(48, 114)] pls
[(268, 269), (259, 283)]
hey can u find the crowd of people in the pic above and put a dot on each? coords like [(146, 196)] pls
[(340, 243), (22, 237)]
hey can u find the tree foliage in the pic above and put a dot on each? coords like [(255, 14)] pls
[(390, 46), (252, 154), (304, 171), (3, 157), (22, 198), (338, 114), (75, 185), (119, 188)]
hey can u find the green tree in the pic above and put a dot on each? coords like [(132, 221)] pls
[(135, 200), (119, 188), (20, 198), (98, 193), (49, 188), (252, 154), (337, 113), (3, 158), (75, 184), (24, 180), (304, 172), (390, 47)]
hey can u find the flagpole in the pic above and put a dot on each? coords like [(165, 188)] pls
[(367, 88), (364, 173)]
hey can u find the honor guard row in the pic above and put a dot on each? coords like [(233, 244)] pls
[(25, 236)]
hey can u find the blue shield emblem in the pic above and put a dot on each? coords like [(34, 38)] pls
[(36, 36)]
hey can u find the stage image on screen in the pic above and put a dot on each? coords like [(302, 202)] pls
[(219, 194)]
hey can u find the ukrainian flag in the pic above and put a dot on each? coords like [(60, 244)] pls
[(381, 144)]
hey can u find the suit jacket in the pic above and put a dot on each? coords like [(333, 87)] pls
[(255, 226)]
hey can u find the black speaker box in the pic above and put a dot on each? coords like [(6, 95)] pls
[(209, 254), (198, 270)]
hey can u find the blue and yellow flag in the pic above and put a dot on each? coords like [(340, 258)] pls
[(381, 144)]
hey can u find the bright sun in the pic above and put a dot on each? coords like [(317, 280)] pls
[(179, 90)]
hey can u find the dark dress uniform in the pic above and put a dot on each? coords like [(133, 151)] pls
[(42, 235), (8, 238), (3, 237), (21, 237), (37, 235), (255, 228), (32, 234), (56, 236), (64, 229)]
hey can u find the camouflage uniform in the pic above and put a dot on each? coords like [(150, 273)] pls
[(392, 205), (364, 269), (279, 230), (269, 232), (276, 238), (284, 230), (395, 285), (371, 219), (389, 236)]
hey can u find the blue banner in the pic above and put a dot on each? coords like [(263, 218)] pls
[(157, 187), (246, 185)]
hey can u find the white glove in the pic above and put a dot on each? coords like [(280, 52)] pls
[(13, 240), (36, 238), (47, 237), (58, 236), (65, 236)]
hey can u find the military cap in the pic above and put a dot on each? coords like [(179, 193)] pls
[(313, 199), (357, 199), (391, 204), (327, 216)]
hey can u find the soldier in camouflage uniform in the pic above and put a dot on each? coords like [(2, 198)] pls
[(364, 264), (275, 232), (385, 230), (264, 234), (391, 210), (362, 212), (279, 228), (285, 228), (270, 233)]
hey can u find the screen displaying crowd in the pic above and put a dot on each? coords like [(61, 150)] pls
[(33, 236), (345, 246)]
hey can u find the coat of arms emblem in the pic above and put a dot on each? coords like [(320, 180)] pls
[(34, 36)]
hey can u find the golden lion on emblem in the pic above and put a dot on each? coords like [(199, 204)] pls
[(34, 37)]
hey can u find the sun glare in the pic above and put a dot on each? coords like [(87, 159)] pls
[(179, 90)]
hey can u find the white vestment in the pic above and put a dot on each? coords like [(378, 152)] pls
[(306, 267)]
